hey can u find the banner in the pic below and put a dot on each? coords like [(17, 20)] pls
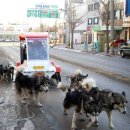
[(127, 8)]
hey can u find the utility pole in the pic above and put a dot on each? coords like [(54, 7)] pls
[(69, 15), (112, 19), (55, 40)]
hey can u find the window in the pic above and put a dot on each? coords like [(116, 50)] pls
[(116, 14), (37, 49), (96, 6), (121, 13), (89, 21), (95, 20), (90, 7)]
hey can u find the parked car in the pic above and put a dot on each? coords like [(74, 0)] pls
[(118, 43), (125, 49)]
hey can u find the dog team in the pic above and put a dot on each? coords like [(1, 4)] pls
[(82, 93), (6, 72)]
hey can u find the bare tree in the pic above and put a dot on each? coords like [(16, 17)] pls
[(104, 12), (74, 19)]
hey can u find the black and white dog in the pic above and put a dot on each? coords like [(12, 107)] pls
[(107, 99), (75, 81), (26, 86), (81, 100), (1, 72), (6, 72), (76, 78), (110, 101)]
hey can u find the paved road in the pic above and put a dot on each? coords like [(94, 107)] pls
[(114, 67), (15, 116)]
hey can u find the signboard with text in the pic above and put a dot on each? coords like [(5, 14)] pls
[(96, 28), (45, 6), (43, 13)]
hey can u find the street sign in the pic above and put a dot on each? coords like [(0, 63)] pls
[(97, 28), (45, 6), (43, 13)]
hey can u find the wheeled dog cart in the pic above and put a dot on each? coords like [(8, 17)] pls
[(34, 56)]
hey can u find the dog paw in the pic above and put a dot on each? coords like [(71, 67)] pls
[(89, 125), (23, 102), (112, 126), (95, 124), (65, 113), (25, 98), (73, 128), (39, 105), (81, 119)]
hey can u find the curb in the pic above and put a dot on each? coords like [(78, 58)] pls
[(102, 72)]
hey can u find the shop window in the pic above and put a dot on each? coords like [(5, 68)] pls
[(121, 13)]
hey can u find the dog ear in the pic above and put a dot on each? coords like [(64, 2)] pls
[(113, 94), (68, 77), (69, 90), (86, 75), (123, 93), (47, 76)]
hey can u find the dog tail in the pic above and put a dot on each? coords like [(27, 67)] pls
[(90, 82), (61, 86), (76, 73)]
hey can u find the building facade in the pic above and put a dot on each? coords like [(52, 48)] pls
[(126, 19), (96, 21)]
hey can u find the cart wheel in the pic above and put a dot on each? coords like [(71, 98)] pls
[(122, 54), (57, 77)]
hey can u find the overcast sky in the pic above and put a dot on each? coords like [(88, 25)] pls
[(16, 10)]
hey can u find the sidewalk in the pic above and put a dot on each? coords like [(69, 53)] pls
[(80, 48)]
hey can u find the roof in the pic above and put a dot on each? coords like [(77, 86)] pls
[(33, 35)]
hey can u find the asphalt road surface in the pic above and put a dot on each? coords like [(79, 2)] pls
[(16, 116)]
